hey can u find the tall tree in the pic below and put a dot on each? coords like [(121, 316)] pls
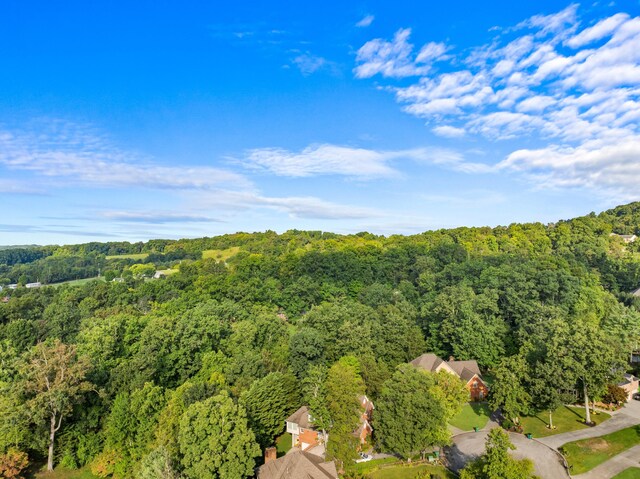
[(215, 440), (344, 387), (508, 391), (54, 380), (410, 416), (268, 402)]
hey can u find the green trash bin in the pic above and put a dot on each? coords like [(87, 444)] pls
[(529, 436), (475, 428), (436, 453)]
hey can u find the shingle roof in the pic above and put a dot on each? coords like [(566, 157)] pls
[(427, 361), (301, 418), (298, 464), (635, 292), (465, 369)]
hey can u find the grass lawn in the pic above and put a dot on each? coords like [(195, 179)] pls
[(77, 282), (564, 419), (129, 256), (283, 444), (221, 254), (631, 473), (62, 473), (586, 454), (410, 472), (472, 414)]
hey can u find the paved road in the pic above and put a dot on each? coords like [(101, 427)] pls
[(615, 465), (469, 446), (626, 417)]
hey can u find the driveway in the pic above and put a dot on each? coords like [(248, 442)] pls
[(628, 416), (469, 446)]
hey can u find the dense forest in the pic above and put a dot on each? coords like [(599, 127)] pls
[(192, 374)]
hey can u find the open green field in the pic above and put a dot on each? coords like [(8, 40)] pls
[(472, 415), (168, 272), (631, 473), (77, 282), (586, 454), (221, 254), (565, 418), (63, 473), (129, 256)]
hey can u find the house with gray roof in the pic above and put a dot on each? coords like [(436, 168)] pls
[(297, 464), (467, 371)]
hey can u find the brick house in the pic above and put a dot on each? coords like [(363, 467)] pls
[(630, 384), (467, 371), (305, 436)]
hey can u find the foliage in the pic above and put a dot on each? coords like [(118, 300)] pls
[(546, 308), (215, 440), (12, 464), (615, 395), (496, 462), (411, 416)]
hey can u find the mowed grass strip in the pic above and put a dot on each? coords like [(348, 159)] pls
[(410, 472), (136, 256), (565, 419), (221, 254), (631, 473), (475, 414), (586, 454)]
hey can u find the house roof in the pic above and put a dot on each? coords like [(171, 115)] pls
[(427, 361), (635, 292), (298, 464), (465, 370), (301, 418), (628, 379)]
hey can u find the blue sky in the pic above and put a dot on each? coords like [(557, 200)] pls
[(138, 120)]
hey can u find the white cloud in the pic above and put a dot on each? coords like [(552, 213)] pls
[(599, 30), (365, 21), (80, 156), (346, 161), (574, 91), (448, 131), (396, 58), (308, 63), (155, 217), (612, 169)]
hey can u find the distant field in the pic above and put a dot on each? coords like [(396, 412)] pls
[(129, 256), (77, 282), (221, 254), (168, 272)]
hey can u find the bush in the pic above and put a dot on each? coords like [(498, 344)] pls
[(12, 463)]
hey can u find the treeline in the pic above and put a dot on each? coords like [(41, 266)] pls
[(308, 318)]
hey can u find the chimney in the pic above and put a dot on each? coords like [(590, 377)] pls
[(270, 454)]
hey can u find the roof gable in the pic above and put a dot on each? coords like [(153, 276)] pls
[(298, 464)]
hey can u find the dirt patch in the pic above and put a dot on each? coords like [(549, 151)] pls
[(596, 444)]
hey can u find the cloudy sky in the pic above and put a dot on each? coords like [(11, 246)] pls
[(157, 119)]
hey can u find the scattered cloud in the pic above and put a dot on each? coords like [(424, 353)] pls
[(395, 58), (448, 131), (360, 163), (152, 217), (81, 156), (308, 63), (573, 89), (365, 21)]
